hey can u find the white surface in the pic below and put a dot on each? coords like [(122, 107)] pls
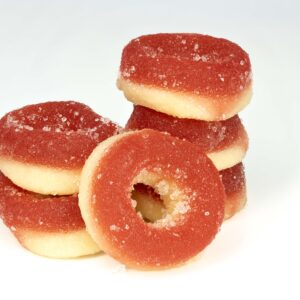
[(71, 50)]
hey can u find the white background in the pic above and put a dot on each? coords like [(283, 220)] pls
[(54, 50)]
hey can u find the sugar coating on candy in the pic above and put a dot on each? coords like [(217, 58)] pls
[(195, 190), (148, 203), (58, 134), (114, 227), (133, 203), (234, 183), (182, 207), (193, 63), (210, 136), (233, 179), (162, 187), (26, 210)]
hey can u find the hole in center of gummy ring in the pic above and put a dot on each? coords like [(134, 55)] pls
[(157, 200), (147, 203)]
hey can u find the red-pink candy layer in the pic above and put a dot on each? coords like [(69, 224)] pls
[(193, 63), (55, 134), (209, 136), (124, 234), (26, 210)]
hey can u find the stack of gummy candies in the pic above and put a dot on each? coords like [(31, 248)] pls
[(192, 87), (43, 148), (152, 195)]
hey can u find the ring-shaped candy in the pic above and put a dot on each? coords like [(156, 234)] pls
[(186, 180), (186, 75), (43, 146), (46, 225)]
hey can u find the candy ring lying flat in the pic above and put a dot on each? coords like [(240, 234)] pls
[(186, 75), (235, 188), (44, 146), (224, 142), (48, 226)]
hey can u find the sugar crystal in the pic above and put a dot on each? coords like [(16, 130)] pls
[(182, 207), (114, 227), (133, 203), (162, 187)]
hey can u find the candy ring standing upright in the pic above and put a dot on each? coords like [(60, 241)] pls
[(43, 147), (46, 225), (224, 142), (183, 176), (186, 75)]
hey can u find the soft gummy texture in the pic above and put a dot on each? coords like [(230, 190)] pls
[(179, 171), (186, 75), (58, 134), (195, 63), (22, 209)]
